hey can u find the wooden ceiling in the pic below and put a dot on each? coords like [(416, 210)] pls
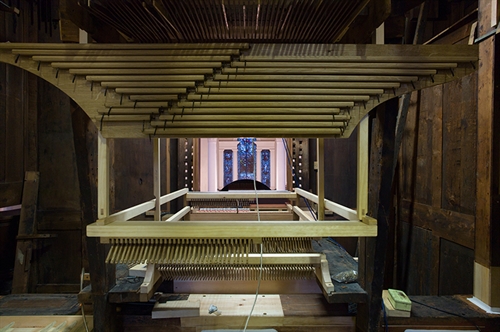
[(194, 21)]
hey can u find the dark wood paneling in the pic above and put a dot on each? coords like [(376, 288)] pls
[(453, 226), (408, 150), (459, 144), (423, 163), (59, 187), (59, 258), (11, 193), (418, 260), (132, 173), (456, 269), (340, 170)]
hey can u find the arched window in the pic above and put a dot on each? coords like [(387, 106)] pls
[(247, 156), (228, 167)]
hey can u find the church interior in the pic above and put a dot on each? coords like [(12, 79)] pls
[(249, 165)]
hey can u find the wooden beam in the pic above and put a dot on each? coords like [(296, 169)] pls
[(362, 168), (230, 229), (243, 132), (27, 227), (240, 194), (97, 46), (298, 84), (487, 231), (250, 110), (179, 215), (102, 177), (136, 210), (308, 78), (157, 177), (303, 215), (341, 210), (321, 178)]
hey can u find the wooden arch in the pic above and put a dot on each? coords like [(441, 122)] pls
[(234, 90)]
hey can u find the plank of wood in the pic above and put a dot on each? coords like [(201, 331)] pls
[(179, 215), (250, 110), (27, 227), (157, 177), (140, 208), (327, 71), (162, 64), (103, 177), (339, 209), (332, 64), (44, 323), (102, 46), (230, 229), (316, 78), (231, 305), (176, 308), (129, 58), (362, 168), (299, 84), (214, 96), (303, 215), (145, 79)]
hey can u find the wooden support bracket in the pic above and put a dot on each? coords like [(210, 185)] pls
[(323, 276), (147, 287)]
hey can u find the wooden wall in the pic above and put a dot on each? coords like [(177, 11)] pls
[(436, 191), (36, 135)]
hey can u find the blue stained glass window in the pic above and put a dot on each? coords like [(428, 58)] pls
[(247, 155), (265, 167), (228, 167)]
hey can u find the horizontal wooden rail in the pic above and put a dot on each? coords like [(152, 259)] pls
[(243, 132), (142, 85), (304, 215), (251, 117), (214, 96), (244, 104), (150, 91), (250, 110), (126, 118), (146, 71), (308, 78), (143, 47), (328, 71), (290, 64), (125, 58), (300, 84), (140, 208), (128, 110), (230, 229), (145, 78), (170, 64), (239, 194), (160, 97), (179, 215), (341, 210), (300, 91), (66, 52), (255, 123)]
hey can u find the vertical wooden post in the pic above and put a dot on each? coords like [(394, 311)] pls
[(102, 177), (289, 175), (157, 176), (167, 171), (487, 232), (362, 168), (321, 178), (196, 164)]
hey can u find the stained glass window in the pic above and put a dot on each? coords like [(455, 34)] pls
[(228, 167), (247, 155), (265, 167)]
